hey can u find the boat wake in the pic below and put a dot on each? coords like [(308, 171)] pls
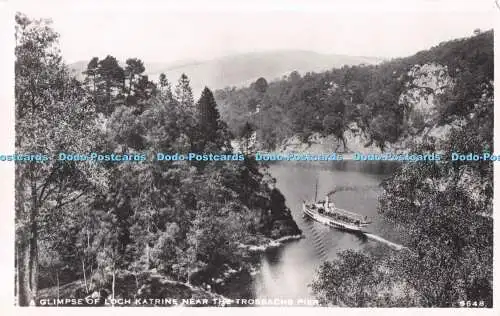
[(366, 234), (318, 241), (384, 241)]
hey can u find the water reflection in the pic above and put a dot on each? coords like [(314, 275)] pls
[(286, 272)]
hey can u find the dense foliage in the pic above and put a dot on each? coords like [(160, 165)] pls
[(92, 221), (443, 209), (329, 102), (187, 220)]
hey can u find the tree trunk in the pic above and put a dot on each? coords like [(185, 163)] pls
[(28, 272), (28, 278), (33, 245), (108, 97), (136, 282), (148, 252), (84, 276), (95, 89), (91, 263), (21, 239), (57, 277), (88, 238), (24, 292), (130, 85), (16, 279), (113, 287), (188, 281), (33, 260), (91, 285)]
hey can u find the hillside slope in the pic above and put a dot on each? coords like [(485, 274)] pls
[(372, 108), (239, 70)]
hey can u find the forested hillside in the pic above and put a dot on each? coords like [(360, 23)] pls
[(441, 100), (379, 105), (444, 209), (147, 228), (102, 223)]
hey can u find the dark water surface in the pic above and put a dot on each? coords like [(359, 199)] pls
[(286, 272)]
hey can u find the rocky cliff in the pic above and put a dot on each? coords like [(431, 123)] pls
[(421, 98)]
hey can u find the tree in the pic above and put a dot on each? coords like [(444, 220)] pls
[(261, 85), (165, 86), (384, 129), (112, 81), (351, 280), (145, 89), (210, 127), (446, 230), (184, 94), (109, 256), (134, 69), (444, 212), (294, 77), (245, 134), (91, 76), (52, 114), (443, 209), (334, 125)]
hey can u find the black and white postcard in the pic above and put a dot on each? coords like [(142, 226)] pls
[(227, 154)]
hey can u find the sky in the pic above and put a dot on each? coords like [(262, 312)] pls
[(169, 31)]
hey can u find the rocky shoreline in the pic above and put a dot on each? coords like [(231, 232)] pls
[(271, 243), (152, 284)]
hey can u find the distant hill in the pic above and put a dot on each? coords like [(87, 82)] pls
[(241, 69)]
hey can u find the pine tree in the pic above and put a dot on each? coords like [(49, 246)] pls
[(210, 127), (165, 87), (261, 85), (184, 94), (144, 89), (133, 70), (91, 76), (112, 80)]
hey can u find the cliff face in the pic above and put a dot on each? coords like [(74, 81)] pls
[(388, 107), (421, 100), (422, 96)]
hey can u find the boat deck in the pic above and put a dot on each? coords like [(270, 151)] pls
[(332, 219), (336, 213)]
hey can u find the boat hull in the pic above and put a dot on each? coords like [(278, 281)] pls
[(331, 222)]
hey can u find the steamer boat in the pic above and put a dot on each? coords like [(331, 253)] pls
[(327, 213)]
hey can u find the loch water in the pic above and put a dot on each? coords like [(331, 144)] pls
[(285, 272)]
